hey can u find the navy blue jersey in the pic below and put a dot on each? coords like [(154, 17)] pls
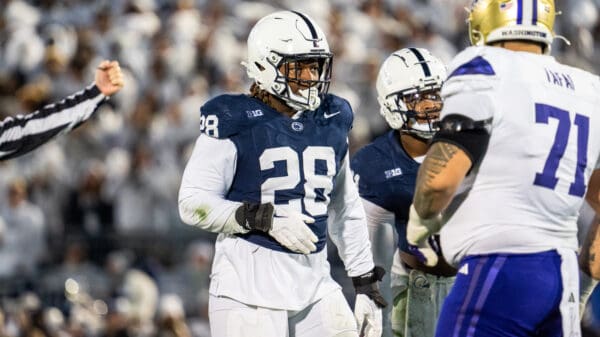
[(387, 177), (280, 159)]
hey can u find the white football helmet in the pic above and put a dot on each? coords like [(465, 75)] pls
[(405, 77), (282, 38)]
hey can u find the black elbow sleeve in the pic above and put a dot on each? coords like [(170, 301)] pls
[(471, 136)]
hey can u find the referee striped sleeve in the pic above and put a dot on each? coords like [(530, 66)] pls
[(23, 133)]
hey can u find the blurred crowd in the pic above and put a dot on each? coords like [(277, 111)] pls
[(90, 239)]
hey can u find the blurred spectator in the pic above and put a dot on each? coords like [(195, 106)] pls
[(171, 318), (189, 279), (24, 49), (89, 212), (24, 242), (76, 268)]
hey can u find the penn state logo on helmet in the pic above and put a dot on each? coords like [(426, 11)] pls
[(498, 20), (283, 38)]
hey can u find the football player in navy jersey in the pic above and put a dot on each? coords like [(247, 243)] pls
[(408, 90), (270, 174)]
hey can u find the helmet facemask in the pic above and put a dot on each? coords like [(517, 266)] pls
[(292, 85), (415, 113)]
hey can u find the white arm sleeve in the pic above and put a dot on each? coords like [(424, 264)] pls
[(206, 179), (347, 224), (378, 221), (383, 237), (377, 216)]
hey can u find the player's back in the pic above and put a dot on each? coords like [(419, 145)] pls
[(526, 193)]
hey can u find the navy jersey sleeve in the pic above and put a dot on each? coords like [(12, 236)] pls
[(386, 175), (365, 176), (227, 115)]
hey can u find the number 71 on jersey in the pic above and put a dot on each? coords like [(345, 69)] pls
[(547, 178)]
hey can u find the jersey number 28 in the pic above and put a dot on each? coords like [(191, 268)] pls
[(295, 173)]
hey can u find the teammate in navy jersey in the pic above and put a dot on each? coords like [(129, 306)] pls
[(408, 89), (506, 176), (270, 173)]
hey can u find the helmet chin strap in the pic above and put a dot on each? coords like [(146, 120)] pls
[(421, 130), (426, 135), (308, 95)]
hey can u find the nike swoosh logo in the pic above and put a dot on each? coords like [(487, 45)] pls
[(327, 116)]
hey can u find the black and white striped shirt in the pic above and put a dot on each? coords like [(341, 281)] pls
[(23, 133)]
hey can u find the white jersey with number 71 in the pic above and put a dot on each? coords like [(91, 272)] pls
[(525, 195)]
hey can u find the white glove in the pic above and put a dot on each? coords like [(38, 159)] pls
[(289, 228), (368, 317), (418, 235)]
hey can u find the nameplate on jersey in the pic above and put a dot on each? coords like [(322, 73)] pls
[(559, 79)]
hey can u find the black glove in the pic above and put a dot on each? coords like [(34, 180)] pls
[(367, 284), (254, 216)]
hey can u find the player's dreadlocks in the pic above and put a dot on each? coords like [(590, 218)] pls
[(270, 99), (260, 94)]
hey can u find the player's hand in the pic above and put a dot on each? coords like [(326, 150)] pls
[(289, 228), (369, 302), (109, 78), (286, 226), (368, 317), (419, 236)]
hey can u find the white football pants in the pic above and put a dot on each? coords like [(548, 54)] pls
[(329, 317)]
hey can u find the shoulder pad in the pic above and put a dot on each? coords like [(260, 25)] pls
[(359, 164), (596, 86), (338, 110), (227, 115), (472, 61), (363, 161), (359, 161)]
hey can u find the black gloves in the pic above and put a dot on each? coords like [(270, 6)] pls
[(255, 216), (367, 284)]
